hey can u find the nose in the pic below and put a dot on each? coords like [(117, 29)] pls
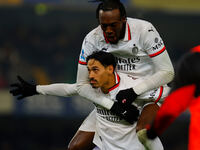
[(109, 30), (91, 75)]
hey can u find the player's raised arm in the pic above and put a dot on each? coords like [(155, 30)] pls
[(24, 89)]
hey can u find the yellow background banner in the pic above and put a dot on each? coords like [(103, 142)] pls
[(176, 5), (10, 2)]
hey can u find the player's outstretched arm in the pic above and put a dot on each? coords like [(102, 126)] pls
[(23, 89)]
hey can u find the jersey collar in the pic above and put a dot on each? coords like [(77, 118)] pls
[(127, 36), (117, 80)]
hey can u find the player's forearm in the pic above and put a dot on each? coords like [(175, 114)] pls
[(59, 89), (163, 75), (86, 91)]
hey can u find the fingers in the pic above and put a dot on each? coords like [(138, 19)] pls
[(15, 92), (15, 85), (21, 80)]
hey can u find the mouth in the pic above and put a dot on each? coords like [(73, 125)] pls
[(92, 81), (111, 39)]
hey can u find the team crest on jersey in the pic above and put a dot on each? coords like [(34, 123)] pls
[(135, 49), (82, 57)]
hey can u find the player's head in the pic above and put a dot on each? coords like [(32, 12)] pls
[(188, 70), (111, 15), (101, 66)]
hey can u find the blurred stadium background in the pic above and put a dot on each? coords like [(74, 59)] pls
[(41, 39)]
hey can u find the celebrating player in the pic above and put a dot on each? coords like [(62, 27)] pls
[(140, 52)]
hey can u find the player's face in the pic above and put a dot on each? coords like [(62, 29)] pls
[(98, 74), (112, 25)]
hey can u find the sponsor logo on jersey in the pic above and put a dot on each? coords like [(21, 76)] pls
[(127, 64), (158, 45), (127, 60), (107, 114)]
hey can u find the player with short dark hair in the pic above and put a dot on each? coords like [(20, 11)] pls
[(140, 52), (112, 131)]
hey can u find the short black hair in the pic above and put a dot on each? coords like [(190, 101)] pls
[(107, 5), (104, 58), (187, 70)]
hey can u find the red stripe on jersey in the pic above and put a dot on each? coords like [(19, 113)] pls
[(129, 33), (105, 37), (160, 95), (116, 85), (82, 63), (196, 49), (159, 52)]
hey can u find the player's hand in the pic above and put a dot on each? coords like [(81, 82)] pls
[(126, 97), (23, 89), (142, 136), (129, 113)]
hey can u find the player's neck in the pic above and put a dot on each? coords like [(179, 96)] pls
[(111, 82)]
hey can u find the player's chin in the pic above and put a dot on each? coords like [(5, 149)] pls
[(94, 85), (113, 40)]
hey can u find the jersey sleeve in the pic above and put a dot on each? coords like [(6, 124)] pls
[(59, 89), (152, 43), (163, 68)]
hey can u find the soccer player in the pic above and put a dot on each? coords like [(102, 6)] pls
[(185, 95), (140, 52), (112, 132)]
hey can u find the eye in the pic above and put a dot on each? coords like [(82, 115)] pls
[(113, 25), (103, 26), (95, 69)]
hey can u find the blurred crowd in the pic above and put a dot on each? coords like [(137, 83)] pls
[(38, 53)]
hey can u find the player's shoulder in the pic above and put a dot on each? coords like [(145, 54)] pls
[(94, 35), (126, 79), (138, 24)]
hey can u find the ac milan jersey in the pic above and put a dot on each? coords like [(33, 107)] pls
[(114, 132), (133, 53)]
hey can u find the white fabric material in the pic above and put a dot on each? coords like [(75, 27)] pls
[(112, 132), (143, 56), (89, 124), (59, 89)]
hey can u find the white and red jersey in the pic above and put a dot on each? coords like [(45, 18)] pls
[(112, 132), (141, 53), (133, 53)]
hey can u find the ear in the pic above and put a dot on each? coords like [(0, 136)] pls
[(110, 69), (124, 19)]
